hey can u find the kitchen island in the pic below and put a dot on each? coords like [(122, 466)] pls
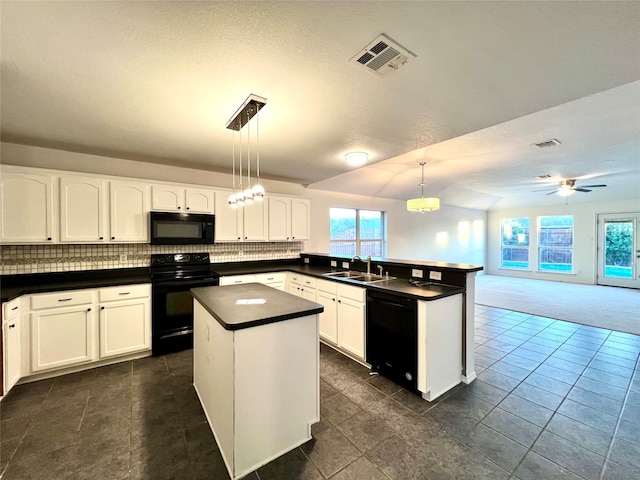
[(256, 371)]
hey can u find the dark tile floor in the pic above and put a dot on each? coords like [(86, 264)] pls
[(553, 400)]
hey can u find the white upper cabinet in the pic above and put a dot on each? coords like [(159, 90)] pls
[(84, 209), (169, 198), (300, 219), (289, 218), (228, 220), (199, 200), (129, 203), (27, 208), (255, 222), (248, 223)]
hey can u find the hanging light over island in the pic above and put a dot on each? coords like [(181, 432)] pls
[(423, 204), (250, 108)]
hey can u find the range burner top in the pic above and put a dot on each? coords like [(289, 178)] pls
[(186, 266)]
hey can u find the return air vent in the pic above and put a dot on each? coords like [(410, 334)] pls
[(382, 56), (549, 143)]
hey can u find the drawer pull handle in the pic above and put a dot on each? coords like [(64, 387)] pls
[(14, 308), (13, 325), (124, 293), (65, 299)]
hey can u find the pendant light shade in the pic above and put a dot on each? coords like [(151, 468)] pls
[(423, 204), (246, 196)]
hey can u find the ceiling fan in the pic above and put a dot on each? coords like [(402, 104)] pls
[(568, 187)]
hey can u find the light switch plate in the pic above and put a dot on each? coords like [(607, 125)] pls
[(417, 273), (435, 275), (334, 263), (345, 264)]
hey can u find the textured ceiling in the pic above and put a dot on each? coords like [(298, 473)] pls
[(157, 82)]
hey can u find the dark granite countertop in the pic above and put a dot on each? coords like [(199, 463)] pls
[(12, 286), (225, 305), (400, 286)]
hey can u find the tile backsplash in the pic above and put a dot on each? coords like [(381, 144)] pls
[(17, 259)]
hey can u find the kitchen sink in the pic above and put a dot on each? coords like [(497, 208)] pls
[(359, 276)]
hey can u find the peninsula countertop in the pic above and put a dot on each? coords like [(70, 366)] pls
[(252, 304)]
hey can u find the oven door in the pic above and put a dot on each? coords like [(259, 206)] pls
[(172, 314)]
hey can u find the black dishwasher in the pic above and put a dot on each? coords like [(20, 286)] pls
[(392, 337)]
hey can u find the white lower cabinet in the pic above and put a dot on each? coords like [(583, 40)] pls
[(63, 336), (343, 321), (125, 320), (237, 279), (66, 330), (11, 345)]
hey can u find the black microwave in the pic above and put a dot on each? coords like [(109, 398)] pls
[(172, 228)]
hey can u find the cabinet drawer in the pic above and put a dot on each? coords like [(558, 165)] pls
[(354, 293), (295, 278), (237, 279), (309, 282), (270, 277), (124, 292), (11, 309), (327, 286), (61, 299)]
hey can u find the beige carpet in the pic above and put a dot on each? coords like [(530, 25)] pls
[(612, 308)]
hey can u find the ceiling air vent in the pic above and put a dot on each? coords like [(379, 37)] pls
[(549, 143), (383, 56)]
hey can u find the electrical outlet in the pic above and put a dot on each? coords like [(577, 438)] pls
[(123, 258), (334, 263), (306, 260), (435, 275), (417, 273), (345, 264)]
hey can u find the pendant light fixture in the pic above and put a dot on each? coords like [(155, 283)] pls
[(423, 204), (242, 117)]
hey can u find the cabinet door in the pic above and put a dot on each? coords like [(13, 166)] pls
[(167, 198), (125, 327), (83, 209), (309, 294), (351, 326), (27, 208), (228, 219), (62, 337), (279, 218), (300, 219), (328, 318), (199, 200), (12, 352), (255, 222), (129, 212)]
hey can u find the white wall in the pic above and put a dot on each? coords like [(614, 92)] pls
[(436, 236), (585, 238), (451, 234)]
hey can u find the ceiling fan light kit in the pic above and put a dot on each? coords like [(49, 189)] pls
[(250, 108), (423, 204), (356, 159)]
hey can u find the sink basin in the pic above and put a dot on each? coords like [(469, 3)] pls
[(351, 275), (359, 276)]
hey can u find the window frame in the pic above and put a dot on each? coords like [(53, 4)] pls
[(541, 246), (526, 247), (358, 240)]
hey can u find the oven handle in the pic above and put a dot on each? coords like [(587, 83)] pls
[(177, 334), (201, 282)]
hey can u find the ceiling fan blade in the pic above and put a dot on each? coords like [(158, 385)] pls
[(591, 186), (545, 189), (551, 193), (582, 189)]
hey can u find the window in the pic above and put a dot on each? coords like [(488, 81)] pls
[(515, 243), (357, 232), (555, 243)]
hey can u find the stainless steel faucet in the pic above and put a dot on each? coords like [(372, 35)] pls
[(357, 257)]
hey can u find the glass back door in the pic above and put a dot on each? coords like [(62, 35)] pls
[(619, 250)]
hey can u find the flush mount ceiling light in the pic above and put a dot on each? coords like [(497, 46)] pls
[(356, 159), (423, 204), (250, 108)]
